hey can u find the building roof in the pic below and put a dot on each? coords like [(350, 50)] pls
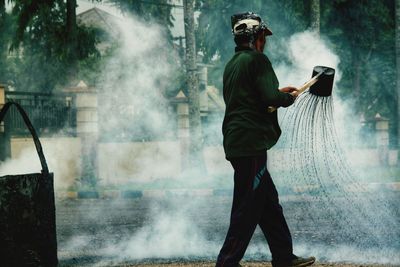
[(99, 18)]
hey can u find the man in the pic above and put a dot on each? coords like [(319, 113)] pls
[(249, 87)]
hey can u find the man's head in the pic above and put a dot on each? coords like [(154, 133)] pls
[(249, 30)]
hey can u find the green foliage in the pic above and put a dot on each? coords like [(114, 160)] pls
[(7, 28), (215, 39), (39, 38), (214, 32), (364, 35), (361, 32), (25, 11), (35, 49)]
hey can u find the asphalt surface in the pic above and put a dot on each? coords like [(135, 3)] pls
[(255, 264), (184, 231)]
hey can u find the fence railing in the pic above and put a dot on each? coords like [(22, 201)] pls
[(50, 113)]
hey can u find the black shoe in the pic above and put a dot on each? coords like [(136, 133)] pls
[(298, 262)]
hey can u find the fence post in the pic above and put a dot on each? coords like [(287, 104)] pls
[(87, 131), (183, 127), (382, 138), (5, 149)]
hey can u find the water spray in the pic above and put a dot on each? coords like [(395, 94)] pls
[(324, 75), (365, 221)]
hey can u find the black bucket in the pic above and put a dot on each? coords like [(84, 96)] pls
[(324, 85), (27, 212)]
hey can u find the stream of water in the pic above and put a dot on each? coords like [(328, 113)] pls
[(358, 217)]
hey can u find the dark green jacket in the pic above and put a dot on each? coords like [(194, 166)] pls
[(249, 87)]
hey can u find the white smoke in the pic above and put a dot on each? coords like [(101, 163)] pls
[(135, 75), (167, 234), (320, 155), (305, 51), (134, 80), (132, 97), (25, 159)]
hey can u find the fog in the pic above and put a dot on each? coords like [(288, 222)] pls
[(134, 107)]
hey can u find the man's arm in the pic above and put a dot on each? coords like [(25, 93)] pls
[(266, 84)]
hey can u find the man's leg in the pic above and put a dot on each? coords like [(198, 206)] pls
[(274, 226), (276, 230), (247, 206)]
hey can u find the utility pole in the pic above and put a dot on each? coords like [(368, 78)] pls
[(315, 16), (195, 146), (72, 41), (397, 32)]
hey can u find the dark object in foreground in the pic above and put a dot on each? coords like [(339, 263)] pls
[(321, 83), (27, 212), (324, 85)]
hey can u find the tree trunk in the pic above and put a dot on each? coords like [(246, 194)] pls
[(2, 8), (315, 16), (71, 37), (195, 148), (3, 44), (356, 77), (71, 21), (397, 18)]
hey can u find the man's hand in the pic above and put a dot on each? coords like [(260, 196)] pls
[(291, 90)]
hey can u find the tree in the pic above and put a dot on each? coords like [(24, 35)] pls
[(215, 40), (362, 34), (195, 150), (315, 15), (397, 17), (6, 32), (71, 38), (50, 44)]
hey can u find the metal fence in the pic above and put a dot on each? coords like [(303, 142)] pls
[(50, 113)]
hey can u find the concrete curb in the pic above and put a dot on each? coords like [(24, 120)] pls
[(285, 192)]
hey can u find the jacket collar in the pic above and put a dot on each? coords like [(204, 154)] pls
[(243, 48)]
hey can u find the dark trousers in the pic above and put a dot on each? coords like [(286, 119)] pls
[(255, 201)]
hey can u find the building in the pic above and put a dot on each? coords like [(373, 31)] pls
[(105, 22)]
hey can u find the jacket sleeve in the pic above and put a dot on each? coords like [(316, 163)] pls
[(267, 84)]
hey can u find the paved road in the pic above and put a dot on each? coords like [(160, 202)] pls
[(251, 264), (102, 232)]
